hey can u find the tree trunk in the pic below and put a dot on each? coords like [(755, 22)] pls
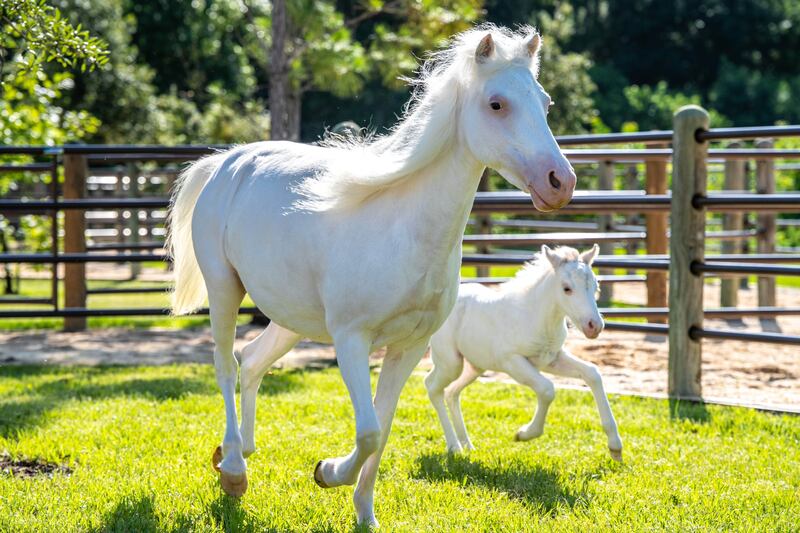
[(284, 101)]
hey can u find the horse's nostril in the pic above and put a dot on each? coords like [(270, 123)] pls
[(590, 324), (554, 180)]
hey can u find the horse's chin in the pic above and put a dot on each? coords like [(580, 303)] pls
[(539, 203), (592, 335)]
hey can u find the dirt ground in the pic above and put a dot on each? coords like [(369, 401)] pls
[(751, 373)]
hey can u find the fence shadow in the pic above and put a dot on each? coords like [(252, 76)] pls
[(537, 485), (98, 383)]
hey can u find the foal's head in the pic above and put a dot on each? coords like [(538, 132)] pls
[(576, 288), (504, 116)]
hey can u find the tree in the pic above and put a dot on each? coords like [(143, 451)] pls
[(565, 75), (34, 34), (337, 47)]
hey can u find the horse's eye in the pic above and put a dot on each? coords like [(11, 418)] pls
[(567, 290), (497, 106)]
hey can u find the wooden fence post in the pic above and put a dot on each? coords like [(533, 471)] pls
[(75, 170), (631, 184), (133, 221), (483, 225), (734, 181), (765, 184), (686, 244), (656, 239), (604, 224)]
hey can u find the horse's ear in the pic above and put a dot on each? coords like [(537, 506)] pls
[(485, 49), (552, 256), (533, 44), (589, 255)]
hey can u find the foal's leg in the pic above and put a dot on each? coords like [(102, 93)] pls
[(568, 365), (396, 369), (524, 372), (257, 356), (224, 295), (448, 364), (352, 353), (453, 396)]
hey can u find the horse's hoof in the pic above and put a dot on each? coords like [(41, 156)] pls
[(318, 476), (616, 454), (216, 458), (234, 485)]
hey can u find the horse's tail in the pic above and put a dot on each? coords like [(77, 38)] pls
[(190, 289)]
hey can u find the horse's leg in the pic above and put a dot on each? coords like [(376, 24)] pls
[(352, 354), (568, 365), (397, 367), (447, 367), (524, 372), (257, 356), (453, 396), (225, 293)]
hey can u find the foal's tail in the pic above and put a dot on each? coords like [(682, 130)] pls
[(190, 289)]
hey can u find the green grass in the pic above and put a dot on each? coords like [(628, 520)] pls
[(139, 442)]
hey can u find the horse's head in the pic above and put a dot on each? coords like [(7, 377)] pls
[(504, 116), (576, 290)]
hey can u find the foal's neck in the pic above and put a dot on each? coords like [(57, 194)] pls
[(539, 299)]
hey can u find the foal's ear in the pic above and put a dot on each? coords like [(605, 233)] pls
[(485, 49), (589, 255), (533, 44), (552, 256)]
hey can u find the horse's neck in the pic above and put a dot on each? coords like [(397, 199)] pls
[(538, 301), (437, 202)]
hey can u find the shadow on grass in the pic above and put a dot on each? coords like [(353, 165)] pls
[(132, 513), (138, 513), (694, 411), (535, 485), (55, 386)]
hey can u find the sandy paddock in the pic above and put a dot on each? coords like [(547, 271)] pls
[(753, 373)]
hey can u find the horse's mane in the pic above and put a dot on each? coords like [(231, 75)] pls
[(428, 125)]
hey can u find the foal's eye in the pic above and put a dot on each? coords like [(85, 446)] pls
[(567, 290), (497, 106)]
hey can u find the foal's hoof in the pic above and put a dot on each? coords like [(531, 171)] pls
[(216, 458), (234, 485), (616, 454), (318, 476)]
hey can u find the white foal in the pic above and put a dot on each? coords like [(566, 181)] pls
[(520, 329), (358, 241)]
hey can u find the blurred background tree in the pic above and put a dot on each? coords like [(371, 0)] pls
[(211, 71)]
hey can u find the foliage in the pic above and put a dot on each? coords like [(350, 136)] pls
[(651, 108), (139, 441), (565, 75), (738, 57), (35, 33)]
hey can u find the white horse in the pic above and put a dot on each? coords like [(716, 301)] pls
[(520, 329), (358, 242)]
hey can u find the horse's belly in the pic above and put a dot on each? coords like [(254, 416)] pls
[(417, 324)]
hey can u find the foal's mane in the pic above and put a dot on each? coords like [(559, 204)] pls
[(427, 127), (535, 270)]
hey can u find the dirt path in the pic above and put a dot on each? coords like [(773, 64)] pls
[(752, 373)]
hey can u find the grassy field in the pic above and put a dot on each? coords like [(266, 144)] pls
[(138, 442)]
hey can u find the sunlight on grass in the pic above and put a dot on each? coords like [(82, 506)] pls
[(139, 442)]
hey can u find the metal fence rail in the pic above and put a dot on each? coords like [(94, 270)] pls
[(686, 262)]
